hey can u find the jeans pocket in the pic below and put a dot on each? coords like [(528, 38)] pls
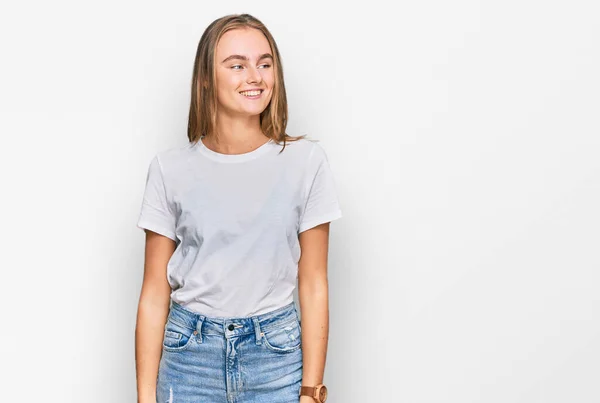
[(177, 337), (284, 337)]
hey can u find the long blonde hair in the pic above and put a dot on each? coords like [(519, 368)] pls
[(203, 105)]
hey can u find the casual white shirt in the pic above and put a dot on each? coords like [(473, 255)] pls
[(235, 219)]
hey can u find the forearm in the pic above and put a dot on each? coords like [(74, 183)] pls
[(314, 308), (151, 318)]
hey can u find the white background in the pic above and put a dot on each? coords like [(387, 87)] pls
[(464, 138)]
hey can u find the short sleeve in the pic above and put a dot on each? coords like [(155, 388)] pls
[(155, 214), (321, 204)]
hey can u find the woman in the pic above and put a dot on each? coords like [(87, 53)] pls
[(226, 218)]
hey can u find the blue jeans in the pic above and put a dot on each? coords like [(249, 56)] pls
[(230, 360)]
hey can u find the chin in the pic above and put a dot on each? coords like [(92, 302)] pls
[(253, 111)]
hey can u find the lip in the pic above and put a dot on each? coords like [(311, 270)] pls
[(255, 96), (253, 89)]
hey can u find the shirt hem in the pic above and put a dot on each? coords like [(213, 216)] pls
[(334, 215), (143, 224)]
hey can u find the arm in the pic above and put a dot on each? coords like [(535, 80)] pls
[(153, 309), (314, 304)]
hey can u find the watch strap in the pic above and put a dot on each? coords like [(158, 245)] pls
[(315, 392), (308, 391)]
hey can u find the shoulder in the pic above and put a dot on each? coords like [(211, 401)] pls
[(305, 149), (170, 159)]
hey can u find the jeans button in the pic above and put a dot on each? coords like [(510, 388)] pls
[(231, 327)]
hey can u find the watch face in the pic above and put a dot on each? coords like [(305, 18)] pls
[(323, 393)]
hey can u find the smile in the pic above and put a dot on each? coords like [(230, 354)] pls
[(252, 94)]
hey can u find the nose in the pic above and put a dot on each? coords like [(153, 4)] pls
[(253, 76)]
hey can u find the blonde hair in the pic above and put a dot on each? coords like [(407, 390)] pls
[(203, 105)]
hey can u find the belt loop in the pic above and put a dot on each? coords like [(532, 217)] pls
[(199, 323), (257, 330)]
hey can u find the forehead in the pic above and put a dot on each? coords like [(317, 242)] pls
[(248, 42)]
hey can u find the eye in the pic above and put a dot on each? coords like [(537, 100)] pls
[(237, 65), (266, 65)]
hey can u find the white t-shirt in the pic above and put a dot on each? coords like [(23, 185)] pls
[(235, 219)]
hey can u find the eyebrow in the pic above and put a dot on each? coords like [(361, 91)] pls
[(240, 57)]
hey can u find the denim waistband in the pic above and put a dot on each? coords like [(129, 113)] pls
[(232, 327)]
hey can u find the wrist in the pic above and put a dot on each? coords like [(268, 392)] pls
[(312, 394)]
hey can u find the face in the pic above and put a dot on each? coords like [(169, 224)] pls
[(244, 62)]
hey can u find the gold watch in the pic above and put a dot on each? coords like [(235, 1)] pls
[(319, 392)]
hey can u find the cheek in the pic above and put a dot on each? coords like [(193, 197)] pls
[(226, 84), (269, 81), (223, 95), (227, 92), (269, 78)]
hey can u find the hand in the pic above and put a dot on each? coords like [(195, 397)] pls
[(307, 399)]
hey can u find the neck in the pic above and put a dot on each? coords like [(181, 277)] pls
[(236, 135)]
